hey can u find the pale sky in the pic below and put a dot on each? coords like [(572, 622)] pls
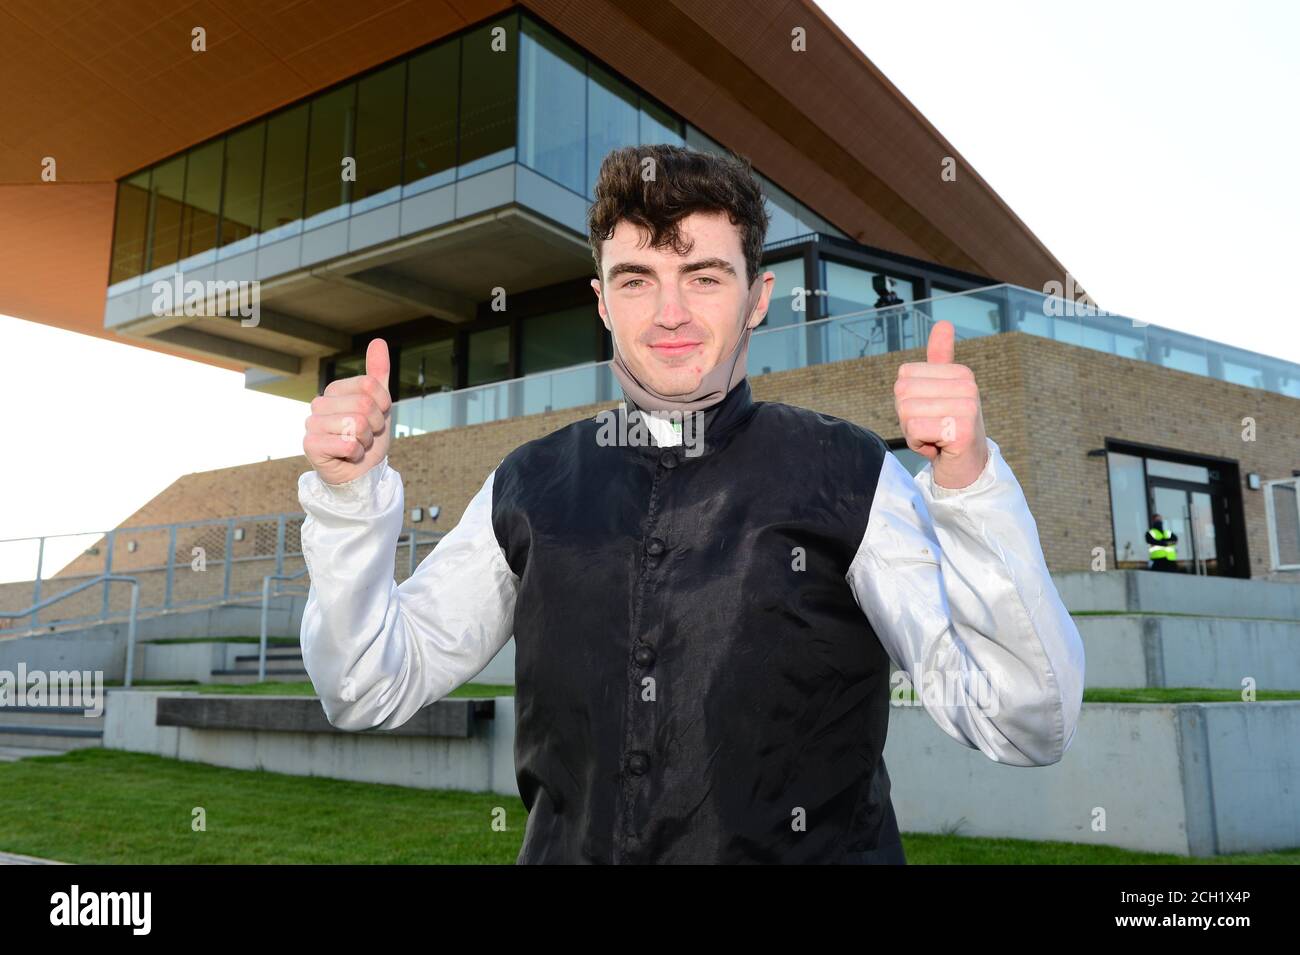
[(1150, 145)]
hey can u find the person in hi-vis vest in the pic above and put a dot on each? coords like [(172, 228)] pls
[(1160, 546)]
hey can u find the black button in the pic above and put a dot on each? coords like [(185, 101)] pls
[(652, 562), (638, 763), (644, 655), (654, 547), (668, 460)]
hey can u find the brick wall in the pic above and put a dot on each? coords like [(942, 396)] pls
[(1045, 403)]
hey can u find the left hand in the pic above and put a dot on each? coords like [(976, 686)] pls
[(938, 405)]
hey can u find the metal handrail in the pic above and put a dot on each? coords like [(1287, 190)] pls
[(414, 539), (266, 610), (102, 579), (108, 541)]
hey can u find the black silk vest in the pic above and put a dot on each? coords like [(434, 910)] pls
[(695, 682)]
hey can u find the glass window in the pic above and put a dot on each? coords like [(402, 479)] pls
[(1286, 522), (850, 288), (489, 356), (242, 196), (488, 96), (286, 156), (167, 190), (426, 369), (912, 460), (1182, 472), (784, 222), (552, 115), (780, 309), (1128, 500), (380, 104), (129, 229), (659, 126), (202, 199), (333, 117), (349, 367), (611, 120), (561, 338), (431, 118)]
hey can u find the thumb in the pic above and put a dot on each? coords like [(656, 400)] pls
[(377, 360), (939, 349)]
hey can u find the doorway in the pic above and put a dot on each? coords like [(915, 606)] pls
[(1196, 517), (1198, 496)]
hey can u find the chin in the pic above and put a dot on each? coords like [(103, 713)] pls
[(671, 381)]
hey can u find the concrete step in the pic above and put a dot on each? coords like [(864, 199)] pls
[(1154, 592), (59, 738), (1167, 650), (71, 716), (250, 675), (249, 664)]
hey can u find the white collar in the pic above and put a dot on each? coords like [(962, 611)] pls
[(666, 433)]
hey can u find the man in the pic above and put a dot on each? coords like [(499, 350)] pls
[(1160, 546), (703, 634)]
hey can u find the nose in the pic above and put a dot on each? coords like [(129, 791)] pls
[(671, 312)]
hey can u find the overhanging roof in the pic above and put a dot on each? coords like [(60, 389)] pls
[(109, 90)]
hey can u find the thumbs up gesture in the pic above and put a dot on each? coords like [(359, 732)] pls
[(938, 405), (350, 425)]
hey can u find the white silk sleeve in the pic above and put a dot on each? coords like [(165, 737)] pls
[(377, 651), (954, 583)]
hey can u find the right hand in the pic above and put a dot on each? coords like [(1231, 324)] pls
[(350, 427)]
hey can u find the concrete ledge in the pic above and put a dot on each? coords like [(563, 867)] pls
[(480, 762), (1154, 592), (1214, 652), (1195, 779), (304, 714)]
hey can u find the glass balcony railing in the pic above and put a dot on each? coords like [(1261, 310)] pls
[(974, 314)]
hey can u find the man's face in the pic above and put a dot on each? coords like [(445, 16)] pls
[(675, 317)]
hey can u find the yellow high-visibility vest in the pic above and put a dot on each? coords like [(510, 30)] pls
[(1162, 551)]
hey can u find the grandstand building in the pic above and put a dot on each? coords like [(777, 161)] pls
[(398, 170)]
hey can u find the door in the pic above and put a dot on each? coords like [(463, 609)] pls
[(1189, 512)]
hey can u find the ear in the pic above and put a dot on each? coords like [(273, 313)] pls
[(600, 304), (768, 283)]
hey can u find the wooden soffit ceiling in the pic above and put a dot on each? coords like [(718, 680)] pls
[(108, 88)]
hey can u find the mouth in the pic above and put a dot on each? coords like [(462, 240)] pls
[(673, 349)]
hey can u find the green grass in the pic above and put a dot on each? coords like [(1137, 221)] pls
[(100, 806), (1180, 694), (110, 807)]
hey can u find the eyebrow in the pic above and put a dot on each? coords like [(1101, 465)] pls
[(635, 268)]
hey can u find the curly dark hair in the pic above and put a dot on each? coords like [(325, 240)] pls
[(685, 181)]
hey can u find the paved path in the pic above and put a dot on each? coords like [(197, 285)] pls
[(12, 858), (10, 753)]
